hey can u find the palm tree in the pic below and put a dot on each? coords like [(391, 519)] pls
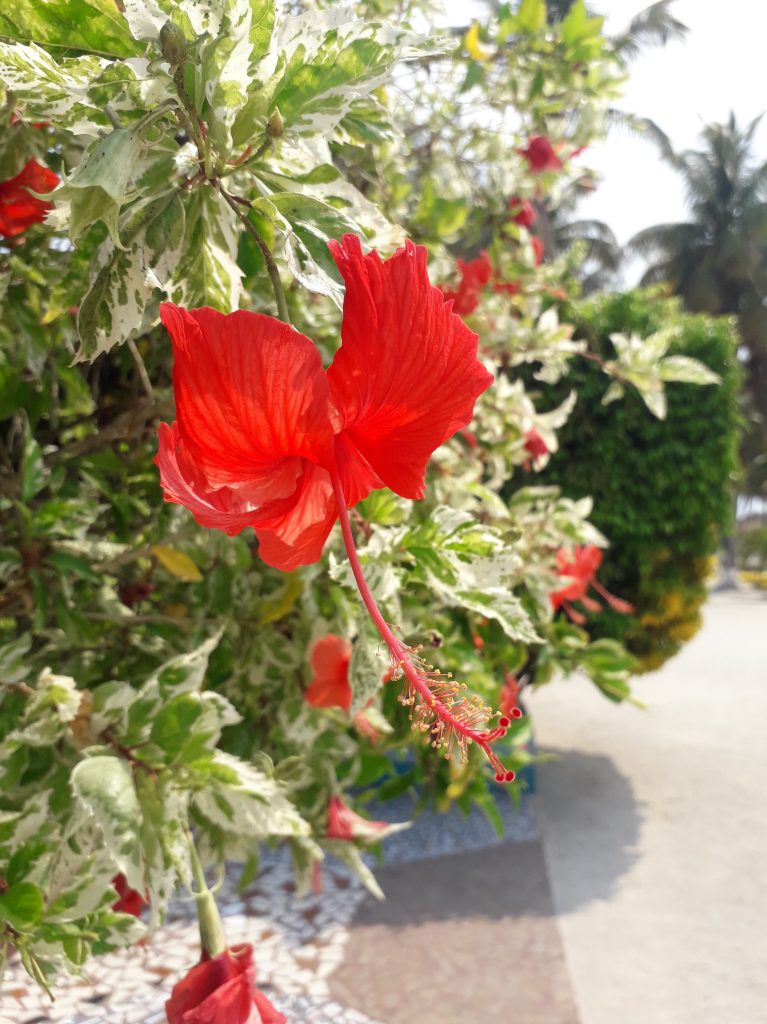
[(717, 260)]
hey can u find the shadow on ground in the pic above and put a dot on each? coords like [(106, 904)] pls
[(585, 803)]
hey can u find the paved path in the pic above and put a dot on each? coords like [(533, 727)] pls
[(644, 901), (655, 831)]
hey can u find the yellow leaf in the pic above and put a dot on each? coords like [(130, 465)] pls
[(177, 563), (278, 604), (473, 45)]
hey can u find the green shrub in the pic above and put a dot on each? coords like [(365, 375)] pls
[(662, 489), (752, 548)]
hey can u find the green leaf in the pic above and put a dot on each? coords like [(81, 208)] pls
[(34, 473), (94, 26), (99, 186), (190, 724), (531, 16), (22, 906), (123, 281), (261, 26), (239, 799), (105, 787), (207, 272), (581, 33), (687, 370), (52, 89), (366, 669)]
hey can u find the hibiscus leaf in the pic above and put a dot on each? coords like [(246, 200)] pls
[(366, 668), (93, 26), (105, 787), (207, 273), (52, 90), (124, 280)]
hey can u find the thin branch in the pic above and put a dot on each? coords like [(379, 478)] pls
[(235, 202), (141, 367)]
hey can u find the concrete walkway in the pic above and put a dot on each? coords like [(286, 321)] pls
[(655, 831)]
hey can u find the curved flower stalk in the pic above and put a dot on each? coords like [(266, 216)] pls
[(267, 438)]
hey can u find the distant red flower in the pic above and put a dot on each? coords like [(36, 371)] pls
[(475, 276), (581, 568), (262, 427), (508, 287), (329, 687), (534, 445), (522, 212), (130, 901), (343, 823), (222, 990), (18, 209), (540, 155), (537, 245), (509, 703)]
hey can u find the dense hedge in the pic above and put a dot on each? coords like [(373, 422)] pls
[(662, 489)]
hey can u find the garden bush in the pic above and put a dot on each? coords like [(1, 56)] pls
[(662, 488)]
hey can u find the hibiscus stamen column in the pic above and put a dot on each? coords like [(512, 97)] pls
[(438, 704)]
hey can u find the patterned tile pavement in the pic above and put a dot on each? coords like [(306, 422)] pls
[(301, 944)]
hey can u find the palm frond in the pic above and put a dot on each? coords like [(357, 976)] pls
[(654, 26)]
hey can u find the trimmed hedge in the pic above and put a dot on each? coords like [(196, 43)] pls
[(663, 489)]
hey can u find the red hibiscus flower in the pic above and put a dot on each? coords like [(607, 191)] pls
[(222, 990), (343, 823), (540, 155), (522, 212), (534, 445), (475, 275), (18, 209), (266, 438), (581, 569), (130, 901), (329, 687), (262, 427)]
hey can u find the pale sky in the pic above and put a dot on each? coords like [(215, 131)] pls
[(682, 86), (718, 68)]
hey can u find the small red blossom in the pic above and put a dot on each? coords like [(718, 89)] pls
[(522, 212), (475, 276), (18, 209), (329, 687), (537, 245), (343, 823), (540, 155), (507, 287), (534, 445), (509, 702), (581, 568), (130, 901), (262, 428), (222, 990)]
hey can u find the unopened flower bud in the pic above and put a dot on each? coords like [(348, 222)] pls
[(275, 125), (173, 44)]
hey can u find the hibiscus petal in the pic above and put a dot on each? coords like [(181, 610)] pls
[(329, 686), (298, 537), (406, 376), (230, 509), (250, 391), (18, 209)]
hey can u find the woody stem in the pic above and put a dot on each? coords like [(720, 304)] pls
[(398, 650), (271, 267)]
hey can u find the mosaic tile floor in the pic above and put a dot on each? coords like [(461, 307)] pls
[(299, 942)]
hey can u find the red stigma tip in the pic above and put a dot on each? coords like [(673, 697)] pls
[(516, 713), (504, 722), (510, 776), (501, 776)]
